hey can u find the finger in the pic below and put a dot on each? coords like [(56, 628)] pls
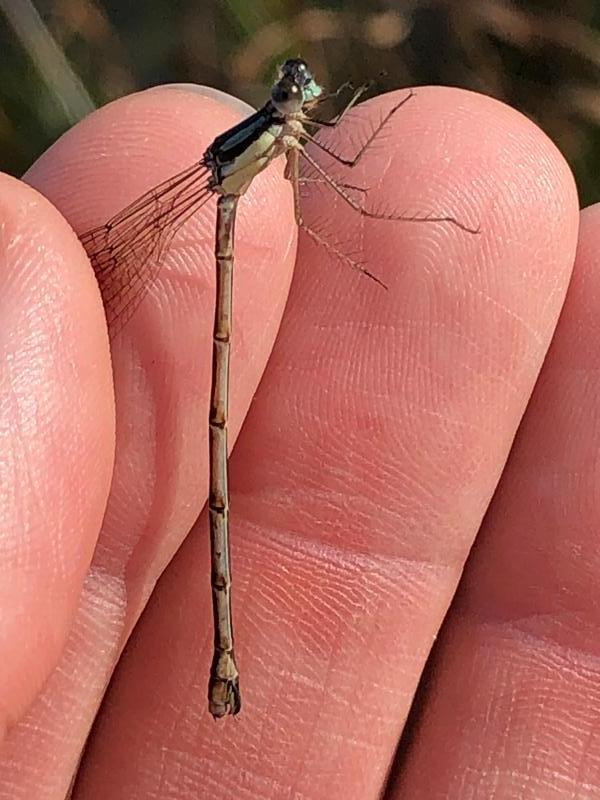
[(523, 634), (161, 366), (162, 360), (372, 448), (56, 429)]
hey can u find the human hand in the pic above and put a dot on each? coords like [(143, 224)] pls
[(365, 463)]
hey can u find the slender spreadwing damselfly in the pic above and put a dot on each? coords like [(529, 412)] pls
[(126, 254)]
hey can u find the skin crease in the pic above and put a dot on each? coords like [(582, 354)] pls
[(366, 462)]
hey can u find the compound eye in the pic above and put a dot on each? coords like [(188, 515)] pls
[(297, 69), (287, 97)]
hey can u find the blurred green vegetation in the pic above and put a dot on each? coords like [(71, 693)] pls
[(60, 57)]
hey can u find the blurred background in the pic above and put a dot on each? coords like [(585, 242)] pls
[(60, 58)]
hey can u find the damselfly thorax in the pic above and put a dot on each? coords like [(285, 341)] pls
[(127, 253), (236, 157)]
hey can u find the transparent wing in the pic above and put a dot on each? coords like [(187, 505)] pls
[(127, 251)]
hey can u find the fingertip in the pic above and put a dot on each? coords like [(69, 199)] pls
[(132, 144), (462, 158), (121, 151), (225, 99)]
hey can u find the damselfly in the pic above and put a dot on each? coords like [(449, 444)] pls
[(126, 255)]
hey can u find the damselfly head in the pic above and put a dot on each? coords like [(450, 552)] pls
[(298, 70)]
